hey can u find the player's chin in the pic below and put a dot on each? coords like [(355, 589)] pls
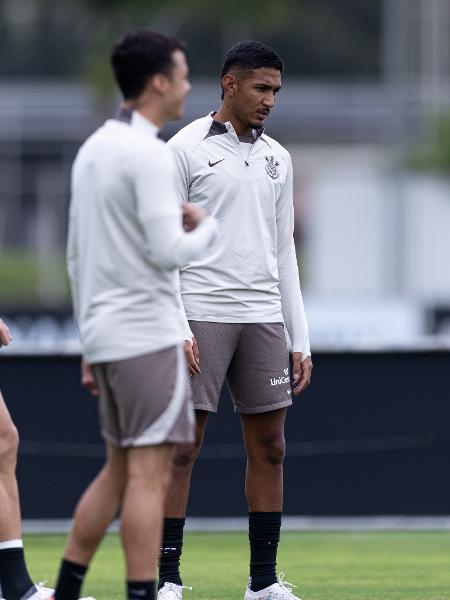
[(258, 120)]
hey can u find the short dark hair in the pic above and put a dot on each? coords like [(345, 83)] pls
[(250, 55), (138, 55)]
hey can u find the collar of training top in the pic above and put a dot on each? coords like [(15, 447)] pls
[(124, 114), (140, 122), (218, 128), (132, 117)]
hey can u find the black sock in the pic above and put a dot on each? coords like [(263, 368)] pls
[(172, 546), (141, 590), (14, 576), (264, 535), (70, 580)]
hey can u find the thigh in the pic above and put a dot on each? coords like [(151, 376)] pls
[(217, 342), (150, 462), (144, 401), (258, 377), (263, 430)]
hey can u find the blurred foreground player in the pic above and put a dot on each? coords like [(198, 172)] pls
[(15, 581), (238, 299), (126, 244)]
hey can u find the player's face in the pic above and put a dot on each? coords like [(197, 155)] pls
[(179, 86), (256, 93)]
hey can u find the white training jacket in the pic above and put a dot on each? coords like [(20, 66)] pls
[(126, 242), (251, 274)]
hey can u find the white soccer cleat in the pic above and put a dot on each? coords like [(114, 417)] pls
[(45, 593), (172, 591), (42, 592), (278, 591)]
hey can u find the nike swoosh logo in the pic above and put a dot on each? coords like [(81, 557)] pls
[(213, 164)]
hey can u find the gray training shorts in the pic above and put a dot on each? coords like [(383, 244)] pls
[(145, 401), (251, 357)]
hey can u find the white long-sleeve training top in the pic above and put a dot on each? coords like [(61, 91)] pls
[(251, 276), (126, 242)]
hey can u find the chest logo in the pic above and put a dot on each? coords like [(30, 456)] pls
[(272, 167), (213, 164)]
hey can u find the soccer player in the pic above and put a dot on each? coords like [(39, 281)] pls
[(126, 243), (15, 581), (238, 300)]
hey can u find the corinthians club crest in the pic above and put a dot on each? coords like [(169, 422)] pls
[(271, 167)]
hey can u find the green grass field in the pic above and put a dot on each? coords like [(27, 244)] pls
[(324, 565)]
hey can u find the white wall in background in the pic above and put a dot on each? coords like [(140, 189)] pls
[(428, 243), (367, 232)]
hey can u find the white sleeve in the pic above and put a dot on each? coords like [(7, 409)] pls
[(289, 282), (184, 323), (170, 247), (182, 178), (72, 262), (159, 213)]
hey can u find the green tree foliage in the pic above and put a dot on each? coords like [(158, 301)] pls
[(326, 38), (434, 154)]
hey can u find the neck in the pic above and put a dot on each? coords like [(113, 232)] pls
[(226, 113), (152, 114), (150, 110)]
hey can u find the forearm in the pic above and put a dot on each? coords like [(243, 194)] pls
[(171, 247), (292, 306)]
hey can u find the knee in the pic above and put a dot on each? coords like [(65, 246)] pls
[(272, 450), (185, 455), (276, 452), (9, 444)]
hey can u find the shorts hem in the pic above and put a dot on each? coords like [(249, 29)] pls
[(206, 407), (170, 439), (110, 439), (263, 409)]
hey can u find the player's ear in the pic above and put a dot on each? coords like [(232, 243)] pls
[(229, 84), (160, 83)]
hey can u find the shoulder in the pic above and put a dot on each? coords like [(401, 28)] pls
[(150, 153), (189, 137), (277, 148)]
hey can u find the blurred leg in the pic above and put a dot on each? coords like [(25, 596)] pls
[(95, 511), (98, 507), (14, 577), (143, 509), (9, 495)]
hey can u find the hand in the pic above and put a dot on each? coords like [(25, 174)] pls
[(87, 377), (5, 335), (192, 216), (301, 373), (192, 356)]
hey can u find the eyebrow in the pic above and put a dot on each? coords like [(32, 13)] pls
[(263, 84)]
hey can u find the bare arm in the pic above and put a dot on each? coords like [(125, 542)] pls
[(5, 334)]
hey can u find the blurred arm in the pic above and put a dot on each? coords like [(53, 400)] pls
[(5, 335), (160, 215), (72, 262)]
